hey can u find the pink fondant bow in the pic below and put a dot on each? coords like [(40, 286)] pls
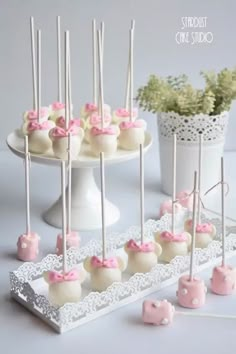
[(124, 113), (90, 107), (73, 122), (55, 277), (105, 263), (39, 126), (32, 115), (96, 119), (128, 125), (106, 131), (58, 105), (170, 237), (144, 247), (202, 228), (61, 132)]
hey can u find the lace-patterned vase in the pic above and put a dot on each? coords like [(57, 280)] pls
[(187, 129)]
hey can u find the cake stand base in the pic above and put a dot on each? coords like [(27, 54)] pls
[(85, 204)]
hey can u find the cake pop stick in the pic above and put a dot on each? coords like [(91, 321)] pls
[(173, 183), (192, 254), (59, 96), (131, 91), (223, 281), (94, 41), (33, 60), (27, 245), (142, 192), (100, 67), (39, 73), (199, 179), (103, 205), (66, 79), (63, 190), (163, 312), (128, 74)]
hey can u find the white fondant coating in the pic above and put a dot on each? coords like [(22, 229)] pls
[(172, 249)]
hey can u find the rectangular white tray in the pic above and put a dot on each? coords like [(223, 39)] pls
[(29, 288)]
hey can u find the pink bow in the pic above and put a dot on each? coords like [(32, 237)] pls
[(144, 247), (105, 131), (39, 126), (62, 132), (170, 237), (128, 125), (124, 113), (202, 228), (90, 107), (105, 263), (73, 122), (56, 106), (96, 119), (55, 277)]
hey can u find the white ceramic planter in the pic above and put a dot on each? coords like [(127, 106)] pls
[(187, 130)]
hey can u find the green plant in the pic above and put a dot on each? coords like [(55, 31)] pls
[(176, 94)]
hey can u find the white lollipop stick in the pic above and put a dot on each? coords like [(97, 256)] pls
[(142, 192), (102, 173), (27, 185), (202, 314), (63, 190), (173, 182), (69, 186), (69, 80), (199, 206), (128, 74), (223, 210), (39, 72), (100, 67), (32, 38), (102, 39), (59, 96), (66, 80), (94, 40), (195, 192), (131, 43)]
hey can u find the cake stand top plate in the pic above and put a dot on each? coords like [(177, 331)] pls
[(85, 159)]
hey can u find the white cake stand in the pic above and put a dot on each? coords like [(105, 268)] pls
[(86, 208)]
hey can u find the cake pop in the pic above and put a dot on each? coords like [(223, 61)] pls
[(205, 232), (104, 271), (191, 289), (59, 135), (144, 256), (38, 132), (132, 132), (172, 243), (64, 287), (72, 237), (28, 243), (223, 281), (102, 139)]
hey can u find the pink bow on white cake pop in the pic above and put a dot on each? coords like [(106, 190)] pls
[(104, 263), (56, 277), (201, 228), (106, 131), (171, 237), (125, 113), (62, 132), (95, 120), (56, 106), (144, 247), (136, 124), (39, 126), (61, 122)]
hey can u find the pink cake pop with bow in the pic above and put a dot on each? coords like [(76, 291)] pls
[(105, 270), (173, 244), (143, 256), (223, 281), (28, 243), (64, 287), (205, 231)]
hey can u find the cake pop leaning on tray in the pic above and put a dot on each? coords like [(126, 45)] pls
[(132, 132), (102, 139), (205, 231), (173, 244), (105, 270), (28, 243), (32, 115), (72, 237), (223, 281), (38, 132), (64, 287), (59, 135), (191, 289), (143, 256)]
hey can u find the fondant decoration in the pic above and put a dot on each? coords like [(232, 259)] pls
[(33, 117), (28, 243), (191, 289), (166, 207), (107, 270), (205, 232), (223, 281), (123, 115)]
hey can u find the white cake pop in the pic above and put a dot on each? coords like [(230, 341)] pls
[(64, 287), (107, 270)]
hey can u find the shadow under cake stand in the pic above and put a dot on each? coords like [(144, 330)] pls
[(85, 194)]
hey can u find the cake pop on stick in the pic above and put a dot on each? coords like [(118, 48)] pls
[(163, 312), (205, 232), (223, 279), (72, 237), (39, 141), (103, 271), (132, 132), (102, 139), (144, 256), (191, 289), (28, 243), (173, 244), (59, 134), (64, 287)]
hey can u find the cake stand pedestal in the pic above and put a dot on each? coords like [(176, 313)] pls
[(85, 194)]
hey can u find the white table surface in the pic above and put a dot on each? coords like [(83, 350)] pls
[(120, 331)]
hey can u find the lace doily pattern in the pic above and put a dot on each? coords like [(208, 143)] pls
[(118, 294), (187, 129)]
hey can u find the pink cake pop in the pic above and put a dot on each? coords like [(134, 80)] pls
[(166, 207), (191, 289), (223, 281), (28, 243)]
